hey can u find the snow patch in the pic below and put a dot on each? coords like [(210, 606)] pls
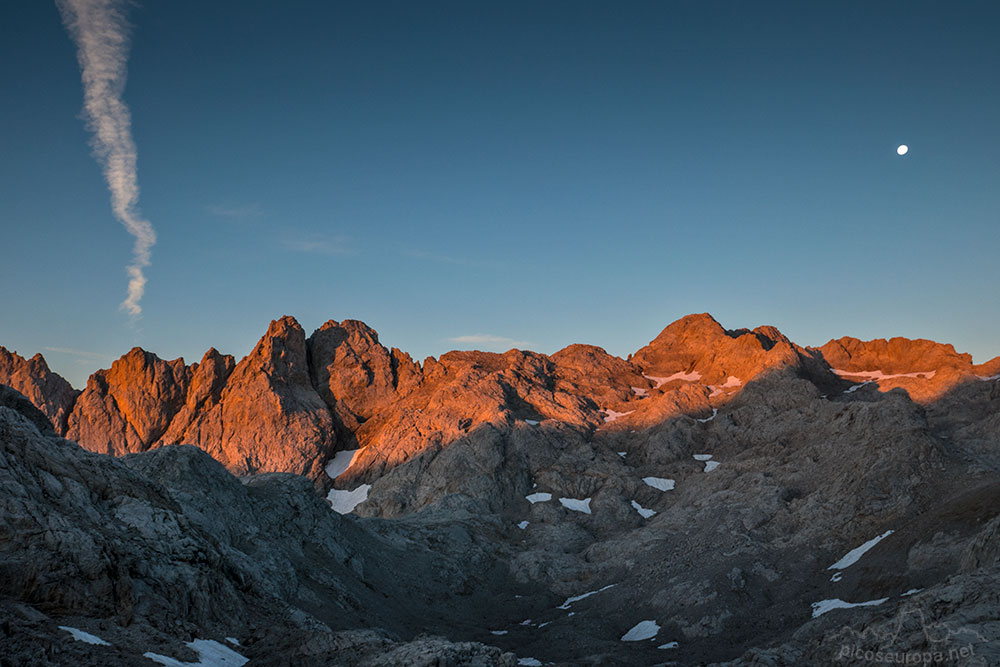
[(874, 376), (340, 462), (693, 376), (344, 502), (532, 422), (912, 591), (730, 383), (702, 457), (576, 505), (837, 577), (660, 483), (642, 631), (669, 645), (711, 465), (210, 654), (583, 596), (523, 525), (643, 512), (529, 662), (852, 556), (641, 392), (612, 415), (81, 636), (823, 606), (988, 378), (715, 411), (540, 497), (621, 454), (498, 633), (233, 640)]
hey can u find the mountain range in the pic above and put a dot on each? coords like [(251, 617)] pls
[(718, 497)]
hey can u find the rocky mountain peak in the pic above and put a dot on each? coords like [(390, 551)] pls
[(697, 345), (50, 393), (281, 352)]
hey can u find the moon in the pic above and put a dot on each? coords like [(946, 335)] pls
[(902, 150)]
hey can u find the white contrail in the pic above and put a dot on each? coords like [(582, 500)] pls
[(100, 31)]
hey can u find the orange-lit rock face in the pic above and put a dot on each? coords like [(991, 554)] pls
[(48, 391), (128, 407), (355, 373), (268, 417), (284, 406), (698, 345), (925, 369)]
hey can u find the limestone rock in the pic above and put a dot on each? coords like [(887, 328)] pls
[(699, 345), (268, 417), (50, 393)]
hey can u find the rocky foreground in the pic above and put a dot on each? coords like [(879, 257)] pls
[(719, 497)]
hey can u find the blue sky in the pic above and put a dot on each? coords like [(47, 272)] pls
[(543, 172)]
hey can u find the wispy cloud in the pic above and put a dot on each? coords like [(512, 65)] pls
[(490, 340), (81, 354), (101, 34), (416, 253), (252, 210), (333, 246)]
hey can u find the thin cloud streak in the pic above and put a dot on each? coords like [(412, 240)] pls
[(417, 253), (490, 340), (242, 211), (337, 246), (100, 31), (444, 259)]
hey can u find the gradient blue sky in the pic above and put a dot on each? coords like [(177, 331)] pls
[(546, 172)]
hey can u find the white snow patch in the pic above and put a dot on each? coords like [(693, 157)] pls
[(912, 591), (340, 462), (210, 654), (523, 525), (641, 392), (612, 415), (577, 505), (823, 606), (851, 390), (702, 457), (693, 376), (988, 378), (583, 596), (81, 636), (532, 422), (642, 631), (837, 576), (669, 645), (498, 632), (621, 454), (233, 640), (643, 512), (526, 621), (540, 497), (344, 502), (715, 411), (730, 383), (852, 556), (660, 483), (529, 662), (711, 465), (879, 375)]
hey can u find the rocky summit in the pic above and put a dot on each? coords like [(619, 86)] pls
[(720, 497)]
